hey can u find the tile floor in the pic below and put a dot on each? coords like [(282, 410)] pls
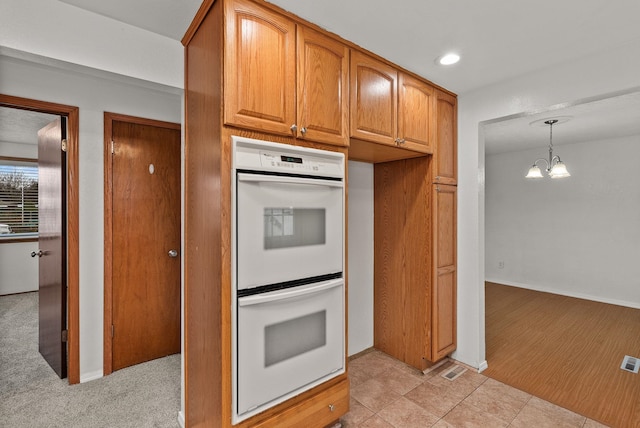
[(387, 393)]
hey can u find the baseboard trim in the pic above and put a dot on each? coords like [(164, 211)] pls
[(87, 377), (483, 366), (181, 418), (634, 305)]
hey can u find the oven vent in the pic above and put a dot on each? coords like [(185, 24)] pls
[(630, 364), (454, 372)]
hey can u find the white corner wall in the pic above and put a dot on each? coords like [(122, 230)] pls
[(578, 236), (94, 93), (360, 257), (67, 33), (617, 69)]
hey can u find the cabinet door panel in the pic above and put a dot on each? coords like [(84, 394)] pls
[(259, 81), (373, 100), (446, 155), (444, 313), (323, 88), (444, 279), (415, 114), (445, 218)]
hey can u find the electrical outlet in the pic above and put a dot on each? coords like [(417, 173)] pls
[(500, 265)]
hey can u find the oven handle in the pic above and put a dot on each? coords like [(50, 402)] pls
[(290, 293), (291, 180)]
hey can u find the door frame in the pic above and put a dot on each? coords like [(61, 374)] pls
[(109, 118), (73, 220)]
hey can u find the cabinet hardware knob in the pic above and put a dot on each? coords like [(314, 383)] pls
[(173, 253), (40, 253), (294, 128), (303, 131), (331, 408), (400, 141)]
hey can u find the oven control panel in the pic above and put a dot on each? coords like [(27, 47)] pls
[(294, 164), (275, 157)]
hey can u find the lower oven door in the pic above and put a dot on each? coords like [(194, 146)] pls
[(287, 342)]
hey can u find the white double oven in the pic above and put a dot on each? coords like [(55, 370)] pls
[(288, 294)]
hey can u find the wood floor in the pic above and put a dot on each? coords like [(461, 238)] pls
[(567, 351)]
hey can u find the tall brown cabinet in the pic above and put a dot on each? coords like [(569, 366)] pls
[(254, 70)]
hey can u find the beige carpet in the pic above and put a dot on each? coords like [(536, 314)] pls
[(31, 394)]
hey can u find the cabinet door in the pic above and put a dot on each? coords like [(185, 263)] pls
[(259, 74), (446, 151), (444, 271), (416, 121), (323, 88), (374, 99)]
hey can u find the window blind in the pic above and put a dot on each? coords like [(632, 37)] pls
[(18, 197)]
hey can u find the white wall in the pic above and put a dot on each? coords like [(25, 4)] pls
[(18, 150), (18, 270), (78, 86), (615, 70), (578, 236), (360, 257), (60, 31)]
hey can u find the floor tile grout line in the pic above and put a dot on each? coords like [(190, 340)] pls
[(466, 396), (521, 409)]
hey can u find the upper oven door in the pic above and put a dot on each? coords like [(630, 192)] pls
[(288, 228)]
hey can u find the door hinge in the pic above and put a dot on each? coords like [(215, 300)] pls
[(65, 335), (63, 145), (113, 150)]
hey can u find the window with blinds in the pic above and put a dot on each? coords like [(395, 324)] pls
[(18, 198)]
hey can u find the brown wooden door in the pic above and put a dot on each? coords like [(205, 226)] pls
[(444, 278), (146, 228), (374, 100), (323, 88), (445, 169), (416, 124), (52, 246), (260, 68)]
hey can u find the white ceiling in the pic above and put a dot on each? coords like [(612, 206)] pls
[(497, 40), (21, 126), (597, 120)]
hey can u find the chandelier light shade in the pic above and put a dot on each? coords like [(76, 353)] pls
[(554, 166)]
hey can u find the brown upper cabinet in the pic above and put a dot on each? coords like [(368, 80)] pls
[(323, 88), (261, 91), (389, 106), (259, 74), (445, 169)]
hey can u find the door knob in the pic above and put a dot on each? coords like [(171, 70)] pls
[(173, 253), (40, 253)]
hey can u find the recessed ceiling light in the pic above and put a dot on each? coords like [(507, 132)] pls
[(448, 59)]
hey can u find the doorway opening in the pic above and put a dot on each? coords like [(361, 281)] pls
[(546, 242), (71, 203)]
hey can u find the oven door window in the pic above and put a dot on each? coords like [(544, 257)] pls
[(288, 340), (287, 229), (294, 227)]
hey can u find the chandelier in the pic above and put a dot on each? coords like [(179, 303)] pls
[(554, 166)]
